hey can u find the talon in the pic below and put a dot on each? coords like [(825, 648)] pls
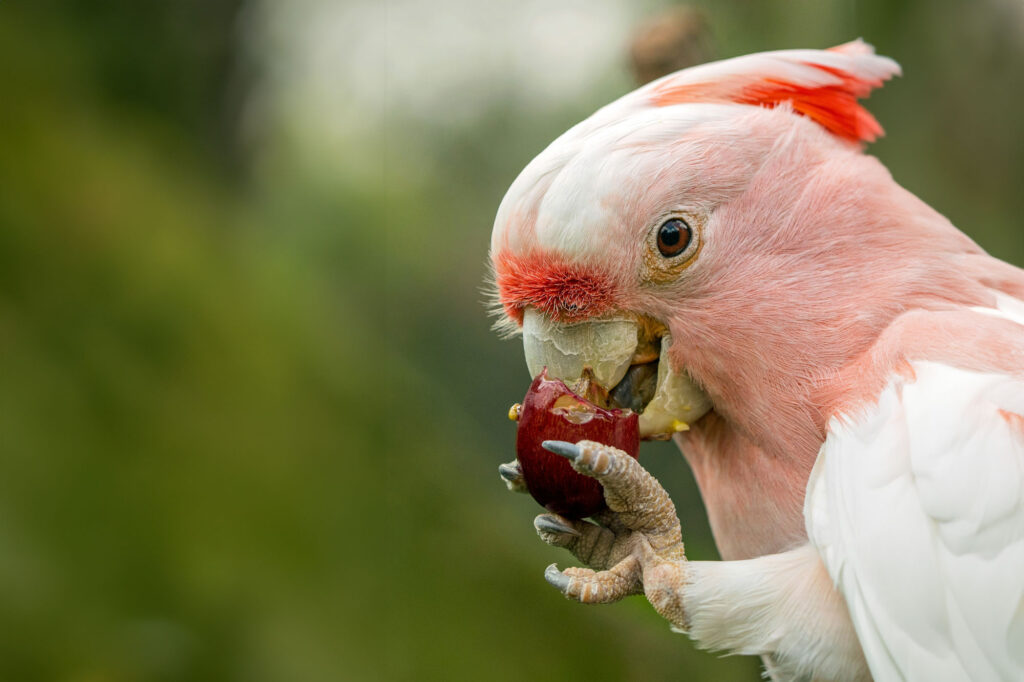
[(546, 523), (556, 578), (564, 448), (510, 472), (513, 476)]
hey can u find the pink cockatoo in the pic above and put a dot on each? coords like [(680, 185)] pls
[(841, 367)]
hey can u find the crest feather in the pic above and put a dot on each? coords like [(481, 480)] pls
[(823, 85)]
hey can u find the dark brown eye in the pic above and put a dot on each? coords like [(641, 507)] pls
[(673, 237)]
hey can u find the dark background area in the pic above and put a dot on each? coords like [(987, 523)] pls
[(251, 408)]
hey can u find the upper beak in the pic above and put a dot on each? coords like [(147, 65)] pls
[(605, 351)]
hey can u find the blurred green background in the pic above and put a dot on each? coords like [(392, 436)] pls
[(250, 406)]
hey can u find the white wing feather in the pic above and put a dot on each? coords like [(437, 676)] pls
[(917, 509)]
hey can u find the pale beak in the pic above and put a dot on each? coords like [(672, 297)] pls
[(608, 352)]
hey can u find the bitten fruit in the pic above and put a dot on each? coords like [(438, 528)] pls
[(551, 411)]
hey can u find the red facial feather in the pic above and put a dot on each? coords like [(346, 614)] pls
[(564, 291)]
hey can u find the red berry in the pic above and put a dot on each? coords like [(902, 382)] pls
[(551, 411)]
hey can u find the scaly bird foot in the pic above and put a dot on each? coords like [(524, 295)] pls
[(596, 546), (597, 587), (638, 545), (638, 501)]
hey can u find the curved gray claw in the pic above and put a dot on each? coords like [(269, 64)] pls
[(556, 578), (510, 472), (513, 476), (564, 448), (547, 523)]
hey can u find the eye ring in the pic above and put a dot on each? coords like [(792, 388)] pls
[(674, 236)]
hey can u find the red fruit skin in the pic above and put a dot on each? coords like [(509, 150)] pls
[(550, 478)]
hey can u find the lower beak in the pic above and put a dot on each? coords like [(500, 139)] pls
[(611, 353)]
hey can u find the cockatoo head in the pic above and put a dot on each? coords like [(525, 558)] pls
[(717, 240)]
